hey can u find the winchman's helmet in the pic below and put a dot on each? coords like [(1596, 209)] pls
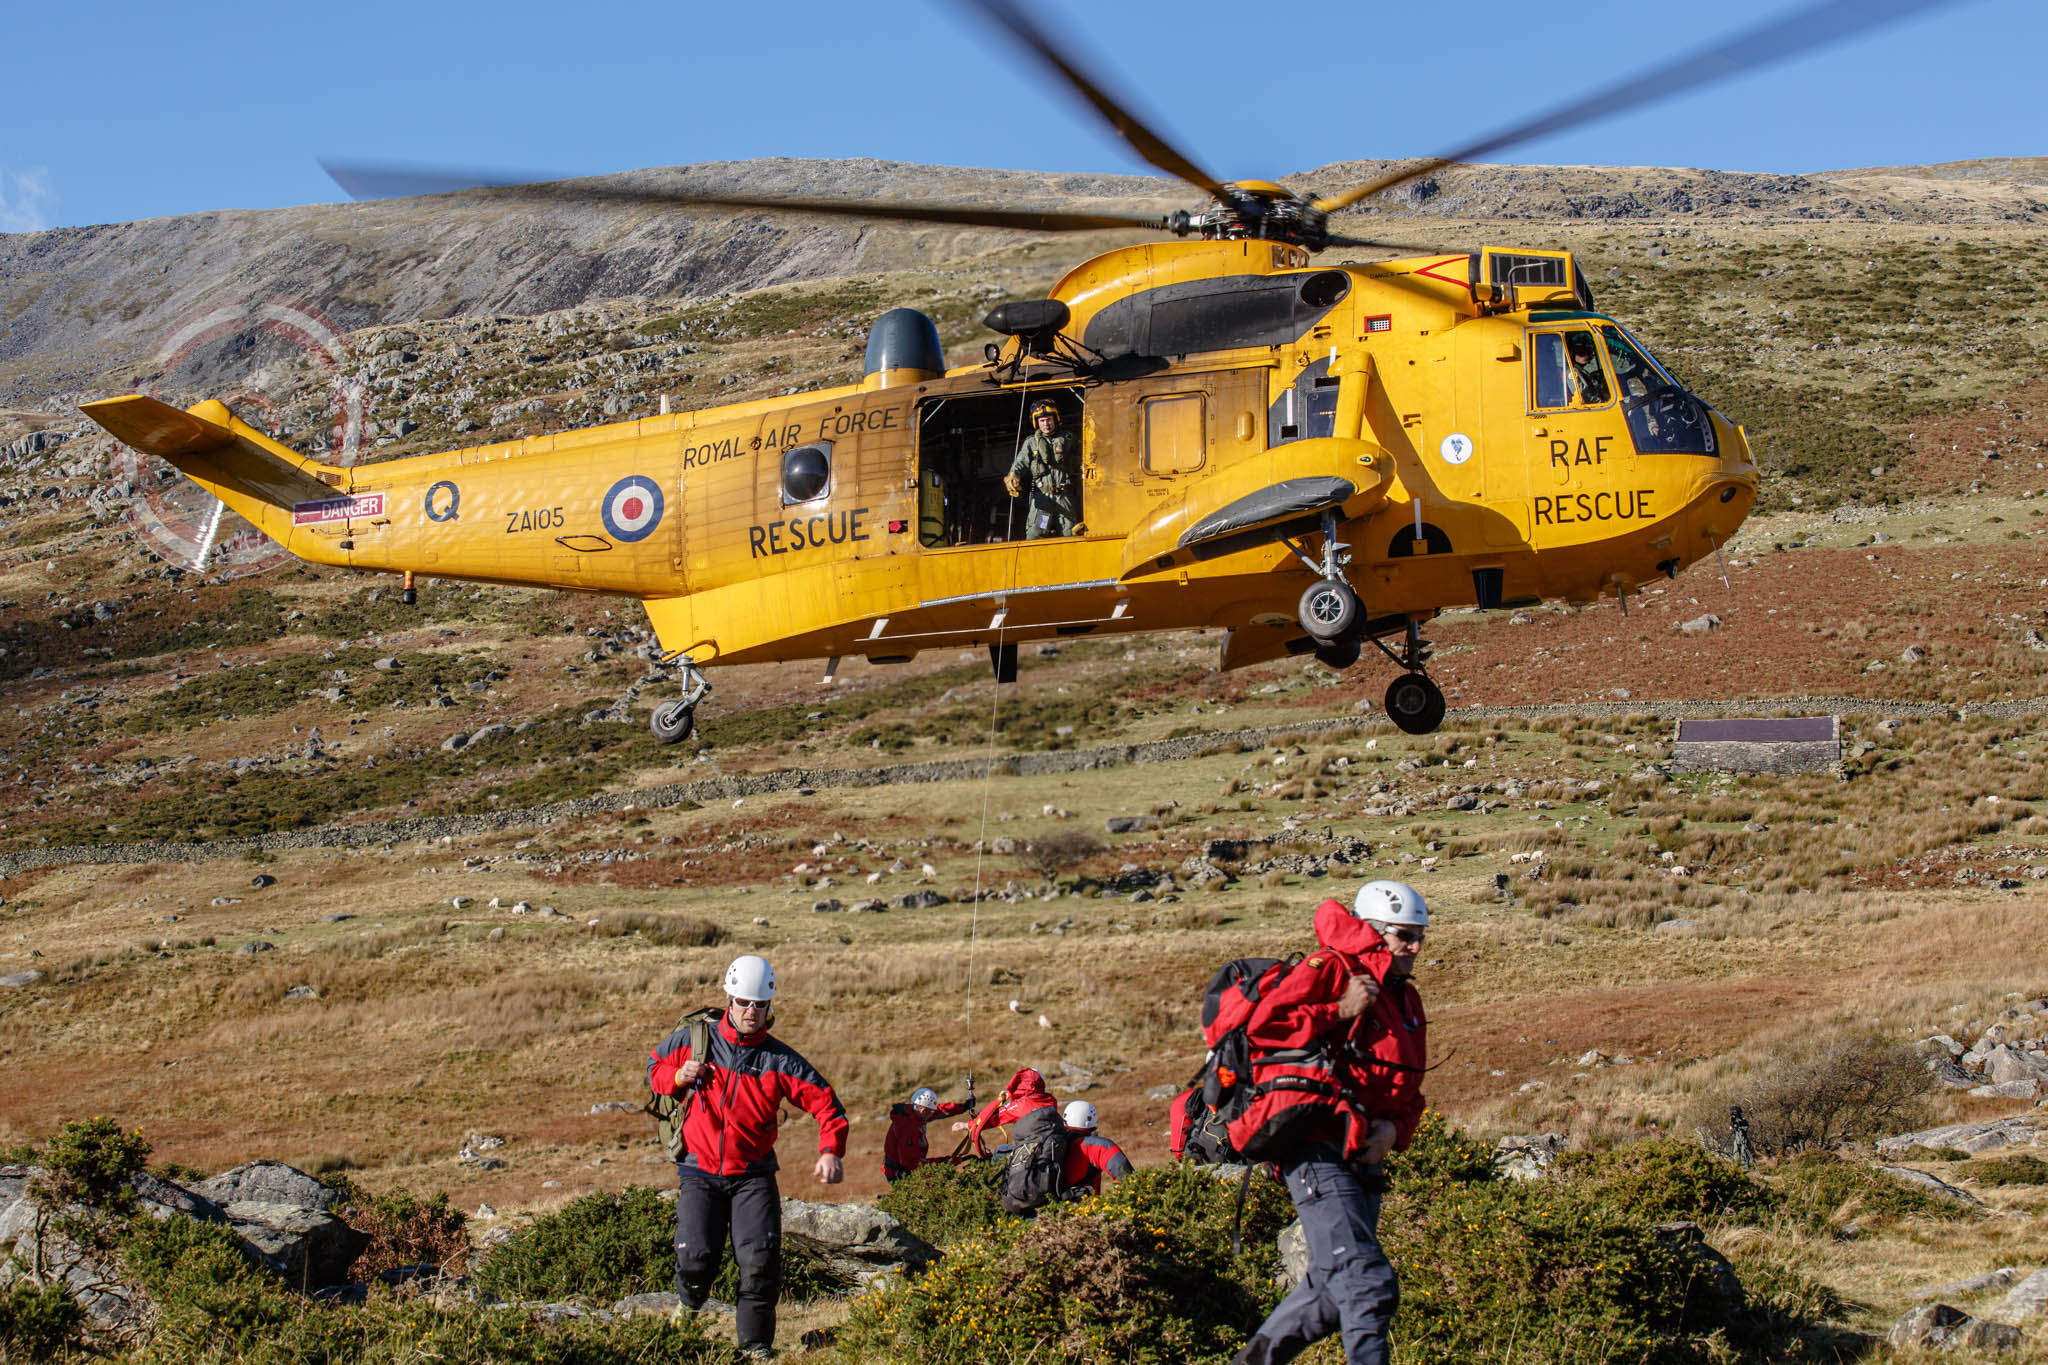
[(1391, 903), (750, 978), (1045, 407)]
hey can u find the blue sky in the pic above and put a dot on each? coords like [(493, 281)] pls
[(123, 110)]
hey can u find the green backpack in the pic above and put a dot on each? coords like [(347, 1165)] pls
[(668, 1111)]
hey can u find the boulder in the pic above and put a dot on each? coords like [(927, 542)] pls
[(2007, 1063), (269, 1182), (2024, 1300), (1944, 1069), (304, 1247), (656, 1305), (1527, 1156), (856, 1240), (1988, 1136), (1937, 1326), (1129, 824), (1934, 1185), (2006, 1090), (1977, 1284), (165, 1199), (1711, 1271), (115, 1312), (1293, 1242)]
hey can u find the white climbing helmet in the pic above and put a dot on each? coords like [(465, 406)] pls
[(924, 1098), (1391, 903), (750, 978), (1080, 1116)]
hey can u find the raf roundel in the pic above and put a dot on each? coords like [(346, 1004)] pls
[(632, 509)]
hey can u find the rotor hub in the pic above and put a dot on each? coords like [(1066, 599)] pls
[(1256, 210)]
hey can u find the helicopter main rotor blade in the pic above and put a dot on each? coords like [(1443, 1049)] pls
[(1816, 26), (365, 181), (1128, 126), (379, 182), (1337, 239)]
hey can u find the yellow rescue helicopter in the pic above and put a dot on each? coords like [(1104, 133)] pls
[(1216, 432)]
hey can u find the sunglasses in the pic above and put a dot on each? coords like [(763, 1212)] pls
[(1404, 935), (739, 1004)]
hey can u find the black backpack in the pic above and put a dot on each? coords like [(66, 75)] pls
[(1222, 1089), (1038, 1159)]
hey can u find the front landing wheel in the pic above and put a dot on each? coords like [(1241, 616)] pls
[(673, 722), (1415, 703), (1330, 611)]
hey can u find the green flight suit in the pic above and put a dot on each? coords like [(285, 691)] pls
[(1050, 467)]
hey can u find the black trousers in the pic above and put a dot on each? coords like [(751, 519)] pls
[(751, 1206), (1350, 1288)]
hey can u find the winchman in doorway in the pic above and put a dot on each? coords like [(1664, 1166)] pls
[(1049, 462)]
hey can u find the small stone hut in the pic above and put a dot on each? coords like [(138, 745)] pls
[(1793, 744)]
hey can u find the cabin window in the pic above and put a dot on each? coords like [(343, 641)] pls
[(966, 444), (1566, 371), (1174, 434), (806, 473)]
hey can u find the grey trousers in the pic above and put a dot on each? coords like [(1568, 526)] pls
[(1350, 1286), (751, 1206)]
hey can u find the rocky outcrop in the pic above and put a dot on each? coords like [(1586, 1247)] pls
[(288, 1230), (2027, 1299), (856, 1241), (1990, 1136), (1939, 1327)]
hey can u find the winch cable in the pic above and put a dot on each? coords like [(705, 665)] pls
[(989, 766)]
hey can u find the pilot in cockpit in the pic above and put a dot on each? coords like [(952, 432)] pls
[(1588, 380)]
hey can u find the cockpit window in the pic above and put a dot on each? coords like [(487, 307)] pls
[(1663, 418), (1568, 371), (1637, 376)]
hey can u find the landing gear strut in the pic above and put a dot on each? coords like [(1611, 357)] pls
[(675, 721), (1414, 702)]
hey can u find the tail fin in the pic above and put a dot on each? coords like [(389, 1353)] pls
[(245, 469)]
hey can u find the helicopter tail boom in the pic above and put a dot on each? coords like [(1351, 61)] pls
[(252, 474)]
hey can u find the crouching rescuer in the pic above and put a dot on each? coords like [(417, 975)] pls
[(1338, 1046), (726, 1079)]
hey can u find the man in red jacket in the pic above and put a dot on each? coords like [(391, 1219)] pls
[(904, 1149), (1090, 1156), (1353, 1044), (727, 1176), (1024, 1094)]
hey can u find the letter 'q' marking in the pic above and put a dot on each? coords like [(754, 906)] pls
[(443, 501)]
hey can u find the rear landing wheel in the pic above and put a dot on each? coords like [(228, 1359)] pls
[(1415, 703), (673, 721)]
